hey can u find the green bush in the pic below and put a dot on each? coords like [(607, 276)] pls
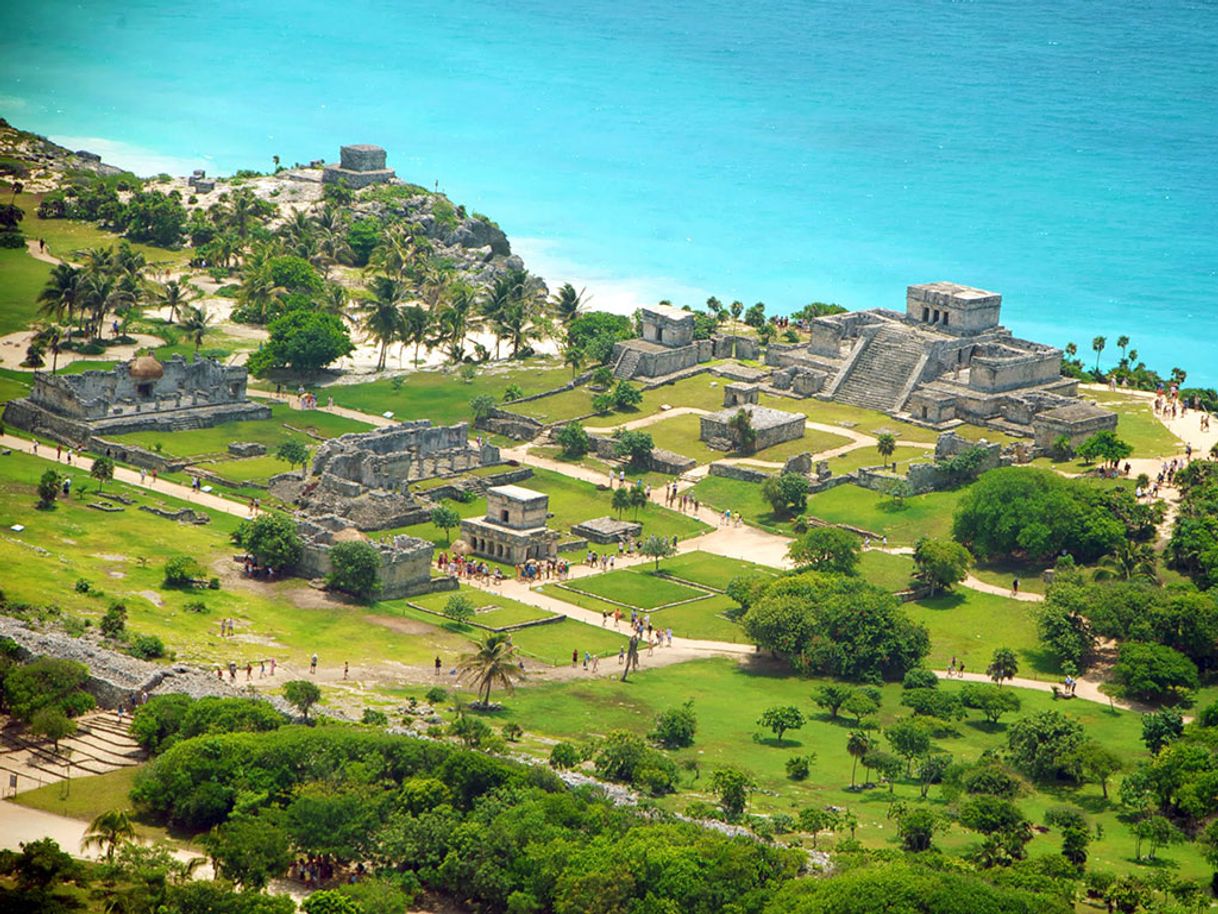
[(182, 571), (146, 647), (798, 767), (356, 566)]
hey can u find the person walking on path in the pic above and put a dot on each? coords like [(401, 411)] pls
[(313, 665), (438, 665), (346, 668)]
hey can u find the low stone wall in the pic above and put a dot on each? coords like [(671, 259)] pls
[(732, 346), (511, 425), (476, 484), (670, 462), (735, 471), (136, 456), (182, 515)]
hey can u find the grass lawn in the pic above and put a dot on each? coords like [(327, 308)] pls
[(641, 590), (714, 571), (866, 456), (86, 798), (1002, 573), (66, 238), (921, 515), (1137, 423), (728, 698), (21, 279), (13, 384), (702, 391), (680, 434), (442, 396), (971, 625), (248, 469), (122, 556), (493, 610), (886, 570), (285, 424), (553, 644)]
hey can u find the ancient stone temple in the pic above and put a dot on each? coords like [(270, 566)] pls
[(143, 394), (667, 345), (771, 426), (514, 528), (358, 166), (363, 476), (405, 569), (945, 358)]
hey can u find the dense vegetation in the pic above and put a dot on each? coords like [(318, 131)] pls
[(1193, 548)]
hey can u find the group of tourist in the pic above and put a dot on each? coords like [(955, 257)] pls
[(550, 569), (266, 667), (955, 668), (458, 566), (308, 399), (730, 519), (316, 871), (682, 501)]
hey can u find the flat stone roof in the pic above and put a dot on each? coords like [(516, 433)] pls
[(955, 290), (760, 416), (1074, 412), (669, 312), (516, 493), (608, 525)]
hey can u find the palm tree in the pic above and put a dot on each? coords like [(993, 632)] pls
[(383, 314), (714, 306), (243, 208), (1123, 344), (574, 357), (567, 303), (108, 831), (495, 661), (621, 500), (1098, 343), (1130, 561), (886, 444), (101, 294), (196, 323), (59, 297), (858, 745), (1072, 349), (174, 295), (416, 325), (334, 299), (737, 308), (495, 304)]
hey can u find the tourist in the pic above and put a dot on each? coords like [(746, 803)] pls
[(346, 669), (596, 662), (1015, 587), (621, 655), (668, 634), (574, 657), (273, 661), (262, 669), (249, 671), (142, 475), (313, 664)]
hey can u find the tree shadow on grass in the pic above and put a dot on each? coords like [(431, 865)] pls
[(942, 601), (776, 743)]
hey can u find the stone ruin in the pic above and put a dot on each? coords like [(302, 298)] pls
[(363, 477), (405, 560), (945, 359), (358, 166), (141, 395), (771, 426), (514, 528), (667, 345)]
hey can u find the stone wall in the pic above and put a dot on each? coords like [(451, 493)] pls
[(735, 471), (405, 560), (389, 457), (670, 462), (733, 346), (998, 368), (511, 425)]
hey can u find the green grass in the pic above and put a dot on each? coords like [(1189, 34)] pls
[(680, 434), (852, 460), (922, 515), (971, 625), (1000, 574), (123, 557), (702, 391), (553, 644), (885, 570), (442, 396), (493, 610), (270, 432), (86, 798), (728, 698), (715, 571), (13, 384), (21, 279), (640, 590), (66, 238), (248, 469)]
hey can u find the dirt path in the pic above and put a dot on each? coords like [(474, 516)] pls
[(32, 248)]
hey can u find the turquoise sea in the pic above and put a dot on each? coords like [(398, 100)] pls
[(1061, 153)]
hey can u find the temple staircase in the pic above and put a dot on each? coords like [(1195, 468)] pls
[(100, 745), (882, 374), (627, 364)]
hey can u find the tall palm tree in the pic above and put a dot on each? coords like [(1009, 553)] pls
[(495, 304), (567, 303), (1098, 343), (196, 323), (416, 327), (1130, 561), (99, 295), (60, 296), (108, 831), (495, 662), (575, 358), (175, 295), (858, 745), (243, 209), (334, 299), (383, 313), (1123, 344)]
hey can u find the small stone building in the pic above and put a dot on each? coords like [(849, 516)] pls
[(1077, 421), (358, 166), (771, 426), (514, 528), (737, 394), (405, 560), (666, 345), (143, 394), (607, 530)]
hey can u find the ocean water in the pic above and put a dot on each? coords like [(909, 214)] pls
[(1063, 154)]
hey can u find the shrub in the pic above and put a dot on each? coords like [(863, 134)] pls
[(436, 695), (196, 606), (798, 767), (675, 727), (114, 621), (182, 571), (48, 488), (82, 586), (374, 718), (920, 678), (564, 756), (146, 647), (573, 440), (270, 538), (459, 608), (355, 567), (512, 732)]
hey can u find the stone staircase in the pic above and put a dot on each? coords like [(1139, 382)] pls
[(100, 745), (883, 372), (627, 364)]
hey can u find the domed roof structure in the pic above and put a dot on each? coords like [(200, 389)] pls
[(146, 368), (349, 535)]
